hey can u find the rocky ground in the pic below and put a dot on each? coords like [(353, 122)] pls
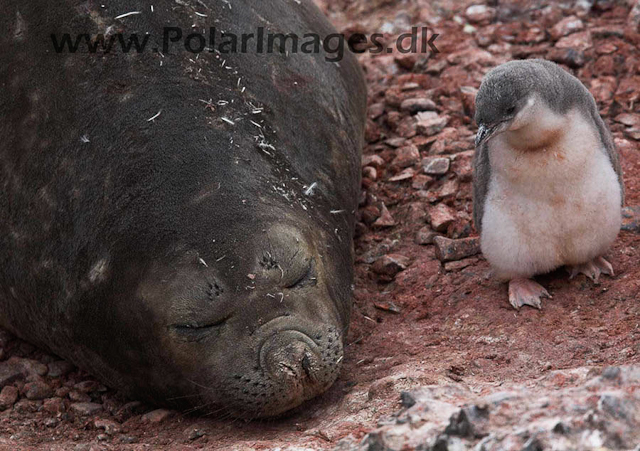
[(436, 359)]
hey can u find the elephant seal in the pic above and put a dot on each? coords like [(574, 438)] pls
[(179, 224)]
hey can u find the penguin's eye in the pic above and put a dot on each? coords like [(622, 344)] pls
[(511, 110)]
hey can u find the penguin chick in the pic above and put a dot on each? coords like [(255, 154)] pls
[(547, 187)]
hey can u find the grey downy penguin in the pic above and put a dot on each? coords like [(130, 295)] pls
[(547, 188)]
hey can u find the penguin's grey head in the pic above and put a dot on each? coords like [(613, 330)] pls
[(513, 94)]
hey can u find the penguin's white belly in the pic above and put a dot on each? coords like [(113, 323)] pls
[(550, 207)]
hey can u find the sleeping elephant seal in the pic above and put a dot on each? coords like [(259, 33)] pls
[(179, 223)]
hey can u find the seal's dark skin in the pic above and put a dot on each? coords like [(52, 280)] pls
[(199, 259)]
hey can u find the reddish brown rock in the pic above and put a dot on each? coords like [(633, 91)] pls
[(157, 416), (440, 217), (406, 156), (85, 408), (452, 250), (391, 264), (425, 235), (468, 94), (373, 160), (577, 41), (8, 397), (385, 219), (566, 26), (421, 182), (479, 13), (54, 405), (369, 172), (37, 390), (571, 57), (406, 174), (429, 123), (416, 105), (436, 165)]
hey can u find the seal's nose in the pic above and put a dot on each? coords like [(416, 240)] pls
[(293, 360)]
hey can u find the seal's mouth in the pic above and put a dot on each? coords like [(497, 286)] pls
[(293, 367)]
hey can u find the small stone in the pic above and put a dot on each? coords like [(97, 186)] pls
[(611, 372), (464, 169), (429, 122), (396, 142), (108, 426), (411, 86), (375, 110), (470, 421), (59, 368), (406, 61), (631, 219), (372, 132), (89, 386), (421, 182), (578, 41), (194, 433), (632, 133), (37, 390), (390, 264), (86, 408), (9, 373), (425, 236), (385, 219), (372, 160), (404, 175), (417, 104), (27, 406), (570, 57), (440, 217), (78, 396), (8, 397), (634, 15), (407, 399), (566, 26), (460, 264), (369, 172), (406, 156), (157, 416), (630, 120), (62, 392), (452, 250), (54, 405), (436, 165), (479, 13), (51, 422), (448, 190), (468, 95), (30, 368), (387, 306)]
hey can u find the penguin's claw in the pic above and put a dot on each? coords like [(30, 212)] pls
[(592, 269), (526, 292)]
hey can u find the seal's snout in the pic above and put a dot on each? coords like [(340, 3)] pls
[(294, 367), (295, 361)]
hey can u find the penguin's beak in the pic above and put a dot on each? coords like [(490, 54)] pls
[(484, 133)]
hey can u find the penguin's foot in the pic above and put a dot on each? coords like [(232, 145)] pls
[(592, 269), (526, 292)]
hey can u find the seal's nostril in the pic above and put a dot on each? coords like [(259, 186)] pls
[(306, 365)]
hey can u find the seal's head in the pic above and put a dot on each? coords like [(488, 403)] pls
[(250, 327)]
